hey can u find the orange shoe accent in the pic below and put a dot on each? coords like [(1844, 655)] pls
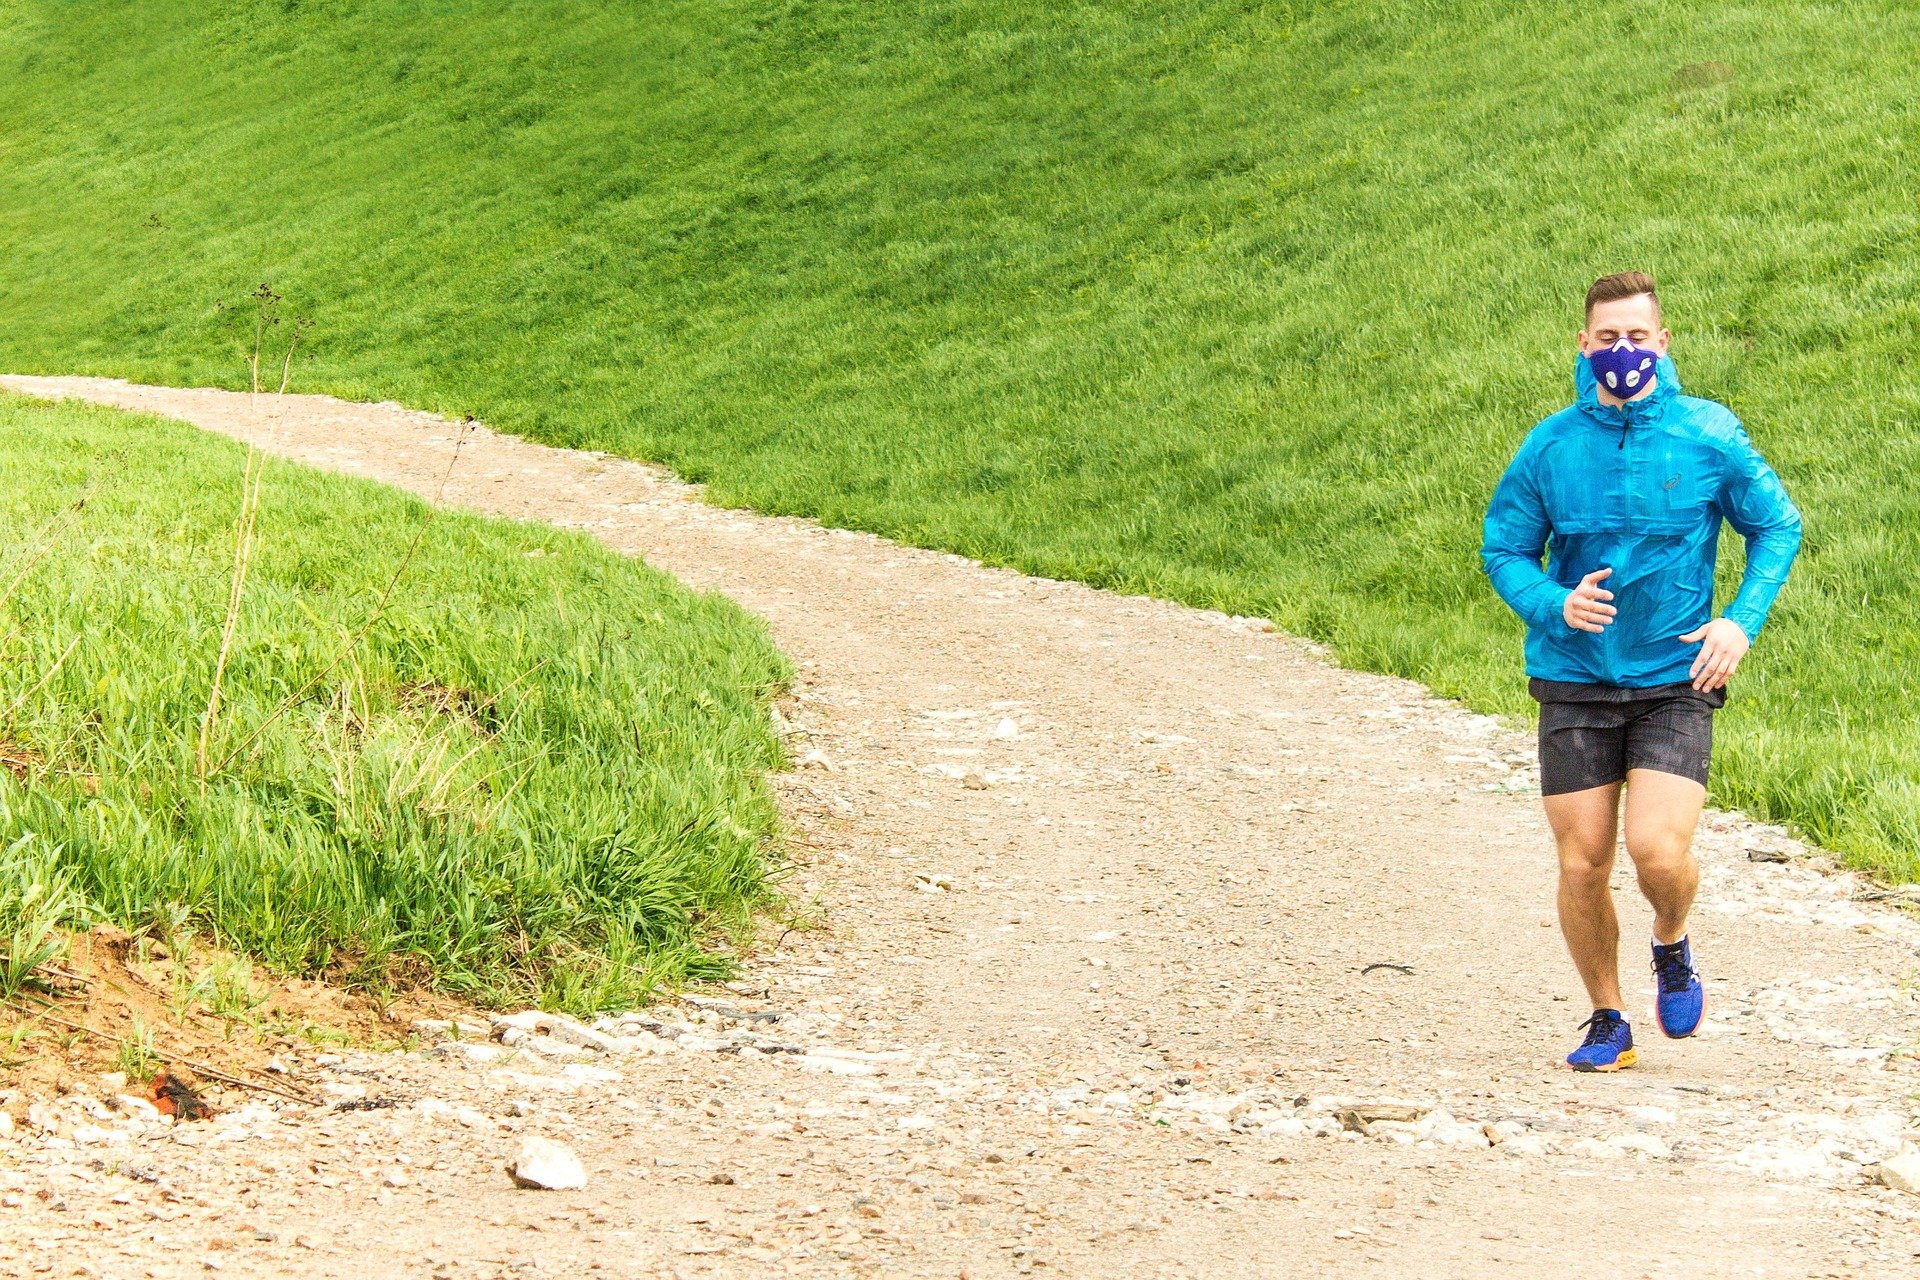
[(1621, 1063)]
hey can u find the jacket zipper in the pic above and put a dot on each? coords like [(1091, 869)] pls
[(1626, 424)]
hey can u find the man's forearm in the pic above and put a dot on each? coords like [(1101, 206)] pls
[(1770, 556), (1525, 586)]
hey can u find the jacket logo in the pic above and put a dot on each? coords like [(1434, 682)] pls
[(1674, 481)]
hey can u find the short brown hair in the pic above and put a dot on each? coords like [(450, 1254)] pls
[(1622, 284)]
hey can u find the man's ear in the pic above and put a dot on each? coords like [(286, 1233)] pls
[(1666, 340), (1580, 341)]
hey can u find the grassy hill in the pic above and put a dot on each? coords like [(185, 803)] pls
[(539, 776), (1241, 303)]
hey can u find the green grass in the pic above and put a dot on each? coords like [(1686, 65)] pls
[(540, 776), (1241, 303)]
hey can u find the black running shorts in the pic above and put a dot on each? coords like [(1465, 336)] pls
[(1591, 734)]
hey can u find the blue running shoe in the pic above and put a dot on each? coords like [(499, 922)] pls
[(1682, 1000), (1608, 1046)]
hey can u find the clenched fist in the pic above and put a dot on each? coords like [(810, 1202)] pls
[(1587, 608)]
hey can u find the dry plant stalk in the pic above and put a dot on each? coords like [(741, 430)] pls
[(373, 619), (236, 588), (265, 317), (266, 303)]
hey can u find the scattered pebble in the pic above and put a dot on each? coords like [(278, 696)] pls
[(545, 1165)]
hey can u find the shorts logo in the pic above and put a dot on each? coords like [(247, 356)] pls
[(1674, 481)]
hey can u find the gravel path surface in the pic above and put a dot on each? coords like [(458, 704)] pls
[(1103, 877)]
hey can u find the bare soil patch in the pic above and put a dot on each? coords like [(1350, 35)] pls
[(116, 1003)]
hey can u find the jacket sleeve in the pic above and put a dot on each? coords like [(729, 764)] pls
[(1755, 503), (1515, 540)]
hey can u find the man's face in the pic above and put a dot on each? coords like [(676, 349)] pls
[(1637, 318)]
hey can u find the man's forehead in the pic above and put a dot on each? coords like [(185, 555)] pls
[(1637, 312)]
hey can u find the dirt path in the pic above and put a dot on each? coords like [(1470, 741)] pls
[(1104, 876)]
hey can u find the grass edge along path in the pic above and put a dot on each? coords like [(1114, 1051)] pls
[(540, 777), (1234, 302)]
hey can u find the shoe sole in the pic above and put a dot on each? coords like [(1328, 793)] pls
[(1683, 1035), (1620, 1063)]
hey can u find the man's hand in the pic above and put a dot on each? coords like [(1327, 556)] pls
[(1722, 645), (1587, 608)]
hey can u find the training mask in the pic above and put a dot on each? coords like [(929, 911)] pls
[(1624, 369)]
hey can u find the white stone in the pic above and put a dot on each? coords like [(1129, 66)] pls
[(1205, 1104), (93, 1108), (545, 1165), (43, 1116), (138, 1108), (581, 1073), (1902, 1172), (530, 1080), (1782, 1161), (1461, 1135), (703, 1044), (566, 1031), (858, 1055), (1525, 1144), (1644, 1143), (1502, 1131), (529, 1020), (646, 1044)]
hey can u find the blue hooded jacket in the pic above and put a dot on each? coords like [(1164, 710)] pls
[(1640, 489)]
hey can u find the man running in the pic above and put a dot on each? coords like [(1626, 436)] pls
[(1624, 493)]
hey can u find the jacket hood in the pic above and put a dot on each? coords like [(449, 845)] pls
[(1586, 391)]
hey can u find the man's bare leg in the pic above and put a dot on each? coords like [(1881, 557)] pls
[(1586, 828), (1662, 811)]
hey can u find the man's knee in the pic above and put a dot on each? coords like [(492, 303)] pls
[(1586, 864), (1662, 857)]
